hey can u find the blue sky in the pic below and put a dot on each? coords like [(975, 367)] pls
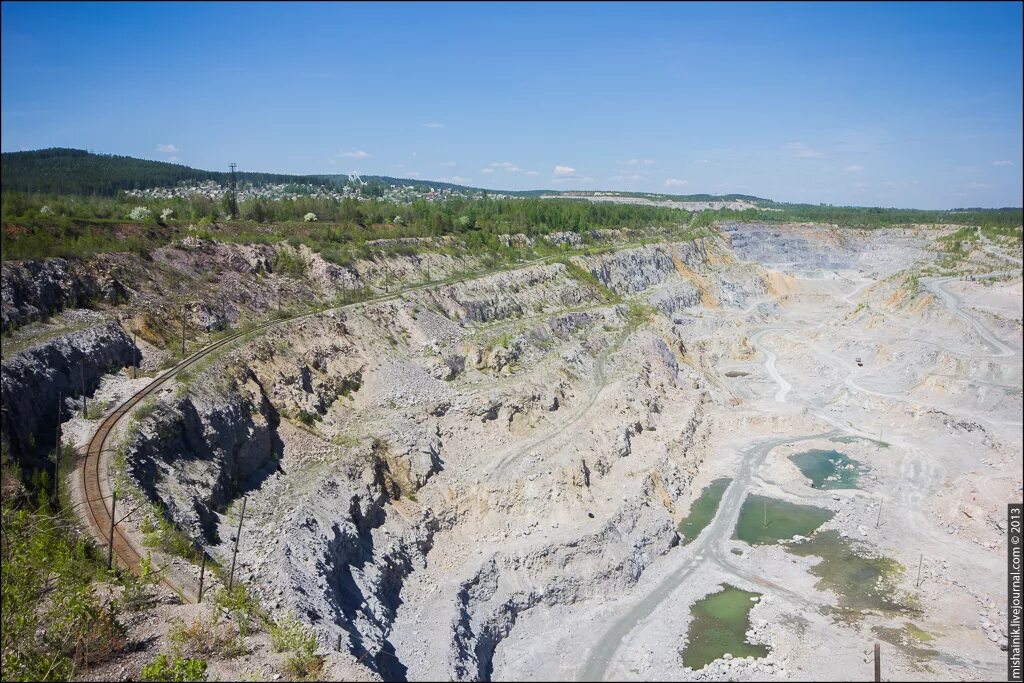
[(869, 104)]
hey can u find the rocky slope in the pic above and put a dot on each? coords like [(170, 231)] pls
[(39, 379)]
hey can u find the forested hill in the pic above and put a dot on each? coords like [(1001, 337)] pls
[(75, 171)]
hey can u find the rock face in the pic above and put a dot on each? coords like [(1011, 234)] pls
[(511, 294), (198, 454), (605, 563), (33, 290), (33, 381)]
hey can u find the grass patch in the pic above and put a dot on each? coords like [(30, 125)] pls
[(174, 667), (291, 636), (586, 277)]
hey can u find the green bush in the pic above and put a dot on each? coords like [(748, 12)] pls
[(290, 635), (174, 668), (52, 620)]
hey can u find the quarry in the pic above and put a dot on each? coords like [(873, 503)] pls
[(447, 469)]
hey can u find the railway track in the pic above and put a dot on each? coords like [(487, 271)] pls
[(96, 485)]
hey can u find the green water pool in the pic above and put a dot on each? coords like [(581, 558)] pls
[(862, 580), (765, 520), (703, 510), (720, 624)]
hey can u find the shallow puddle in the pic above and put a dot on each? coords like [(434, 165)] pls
[(828, 469), (912, 641), (703, 510), (766, 520), (719, 626), (862, 581)]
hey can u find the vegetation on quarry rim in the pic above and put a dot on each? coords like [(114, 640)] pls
[(70, 203)]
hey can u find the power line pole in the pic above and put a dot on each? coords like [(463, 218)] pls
[(202, 576), (234, 555), (232, 196), (85, 401), (56, 454), (110, 539)]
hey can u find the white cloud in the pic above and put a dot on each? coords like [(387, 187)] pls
[(167, 149), (853, 168), (802, 151), (564, 171), (412, 174), (1004, 162), (533, 173), (632, 177), (637, 162), (433, 124), (173, 159), (676, 182), (354, 154), (487, 171), (456, 179), (507, 165)]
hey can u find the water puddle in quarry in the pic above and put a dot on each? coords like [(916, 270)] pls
[(765, 520), (703, 510), (911, 640), (862, 581), (719, 626), (828, 469)]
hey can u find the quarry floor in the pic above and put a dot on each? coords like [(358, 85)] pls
[(933, 498)]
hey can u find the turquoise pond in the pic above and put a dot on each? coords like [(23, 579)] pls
[(828, 469)]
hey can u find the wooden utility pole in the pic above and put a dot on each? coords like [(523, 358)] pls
[(234, 555), (920, 561), (56, 453), (85, 401), (135, 359), (183, 330), (202, 576), (879, 517), (878, 663), (110, 538)]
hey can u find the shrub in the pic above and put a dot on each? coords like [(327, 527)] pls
[(174, 668), (290, 635), (140, 213), (309, 217), (208, 638)]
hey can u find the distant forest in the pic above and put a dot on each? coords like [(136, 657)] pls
[(63, 171)]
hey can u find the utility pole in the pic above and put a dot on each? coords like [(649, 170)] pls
[(135, 359), (879, 518), (182, 330), (878, 663), (920, 561), (85, 401), (56, 453), (232, 196), (234, 555), (202, 576), (110, 538)]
